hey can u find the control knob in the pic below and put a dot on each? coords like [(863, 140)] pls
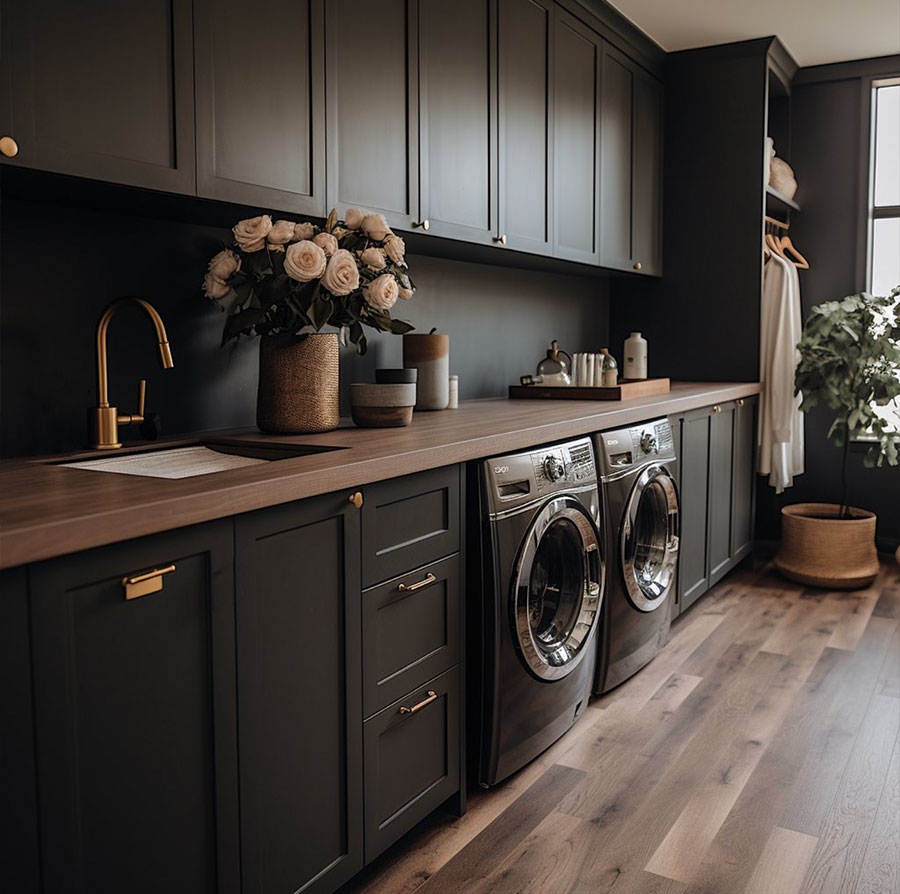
[(648, 442), (553, 468)]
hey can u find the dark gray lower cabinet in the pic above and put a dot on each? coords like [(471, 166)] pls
[(299, 696), (412, 760), (716, 456), (134, 717)]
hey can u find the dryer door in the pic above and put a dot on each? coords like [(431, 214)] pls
[(557, 588), (649, 539)]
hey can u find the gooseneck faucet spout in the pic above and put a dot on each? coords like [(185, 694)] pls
[(104, 419)]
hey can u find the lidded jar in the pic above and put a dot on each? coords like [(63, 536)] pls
[(609, 369), (555, 367)]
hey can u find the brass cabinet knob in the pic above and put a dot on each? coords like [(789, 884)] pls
[(500, 240), (638, 265), (717, 409), (424, 224), (356, 499), (740, 401), (9, 147)]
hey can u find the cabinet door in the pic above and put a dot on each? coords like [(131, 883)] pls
[(743, 479), (693, 465), (299, 695), (261, 104), (721, 439), (372, 107), (101, 90), (525, 113), (135, 717), (647, 170), (616, 158), (576, 132), (457, 119)]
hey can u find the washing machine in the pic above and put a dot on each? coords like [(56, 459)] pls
[(532, 630), (640, 499)]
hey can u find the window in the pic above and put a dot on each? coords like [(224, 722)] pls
[(883, 271)]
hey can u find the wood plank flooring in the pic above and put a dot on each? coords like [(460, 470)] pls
[(759, 753)]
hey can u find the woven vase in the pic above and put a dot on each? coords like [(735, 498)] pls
[(298, 384)]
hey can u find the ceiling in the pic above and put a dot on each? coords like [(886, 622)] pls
[(814, 31)]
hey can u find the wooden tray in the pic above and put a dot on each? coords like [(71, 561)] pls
[(625, 390)]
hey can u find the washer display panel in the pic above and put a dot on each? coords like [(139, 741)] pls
[(558, 588), (649, 542)]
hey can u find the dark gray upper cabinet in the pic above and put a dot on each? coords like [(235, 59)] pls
[(372, 107), (101, 90), (630, 166), (260, 97), (525, 115), (299, 696), (576, 131), (134, 717), (457, 119)]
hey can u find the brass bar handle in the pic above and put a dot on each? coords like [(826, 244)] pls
[(356, 499), (137, 585), (432, 696), (411, 588)]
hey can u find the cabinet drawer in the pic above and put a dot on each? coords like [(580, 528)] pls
[(409, 635), (408, 522), (411, 760)]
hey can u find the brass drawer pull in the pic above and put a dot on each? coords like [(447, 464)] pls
[(9, 147), (411, 588), (137, 585), (356, 499), (432, 696)]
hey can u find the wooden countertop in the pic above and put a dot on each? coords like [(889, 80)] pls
[(49, 510)]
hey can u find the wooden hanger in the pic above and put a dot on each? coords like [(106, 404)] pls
[(785, 244)]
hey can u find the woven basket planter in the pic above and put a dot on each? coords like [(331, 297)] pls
[(821, 550), (298, 384)]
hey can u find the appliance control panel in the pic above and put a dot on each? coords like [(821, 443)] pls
[(641, 444), (523, 477)]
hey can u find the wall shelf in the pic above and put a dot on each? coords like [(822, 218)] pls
[(777, 202)]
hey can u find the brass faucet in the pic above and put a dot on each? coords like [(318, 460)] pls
[(105, 420)]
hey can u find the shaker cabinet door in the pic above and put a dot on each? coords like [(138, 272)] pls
[(134, 717), (299, 695), (743, 483), (693, 467), (648, 168), (101, 90), (261, 104), (721, 441), (372, 107), (525, 114), (457, 119)]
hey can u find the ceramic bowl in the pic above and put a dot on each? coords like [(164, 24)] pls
[(382, 406), (396, 376)]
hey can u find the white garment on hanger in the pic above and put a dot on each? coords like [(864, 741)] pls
[(780, 420)]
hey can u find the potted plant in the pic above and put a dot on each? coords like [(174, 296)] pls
[(850, 363), (286, 281)]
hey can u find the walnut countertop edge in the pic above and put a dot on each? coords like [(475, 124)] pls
[(49, 510)]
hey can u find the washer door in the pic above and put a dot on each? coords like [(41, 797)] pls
[(557, 588), (649, 539)]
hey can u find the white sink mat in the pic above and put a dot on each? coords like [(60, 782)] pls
[(180, 462)]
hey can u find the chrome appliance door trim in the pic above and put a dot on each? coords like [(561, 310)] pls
[(664, 581), (568, 654)]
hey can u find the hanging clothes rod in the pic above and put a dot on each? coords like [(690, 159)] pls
[(778, 223)]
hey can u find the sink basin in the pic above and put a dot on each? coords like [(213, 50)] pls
[(191, 460)]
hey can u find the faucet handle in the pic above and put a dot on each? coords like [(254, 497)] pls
[(142, 396)]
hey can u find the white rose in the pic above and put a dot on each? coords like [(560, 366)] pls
[(303, 231), (224, 265), (395, 248), (304, 261), (375, 227), (382, 293), (327, 243), (354, 218), (215, 288), (282, 232), (342, 275), (374, 258), (251, 234), (405, 294)]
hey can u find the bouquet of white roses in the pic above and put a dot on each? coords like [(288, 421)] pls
[(298, 277)]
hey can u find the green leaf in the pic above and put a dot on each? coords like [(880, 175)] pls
[(242, 322), (399, 327)]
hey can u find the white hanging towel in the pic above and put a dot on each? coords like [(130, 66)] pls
[(780, 420)]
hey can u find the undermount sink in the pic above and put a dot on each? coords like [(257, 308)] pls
[(191, 460)]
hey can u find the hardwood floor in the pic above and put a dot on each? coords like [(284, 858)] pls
[(759, 753)]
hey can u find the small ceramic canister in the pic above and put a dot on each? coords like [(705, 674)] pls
[(430, 355)]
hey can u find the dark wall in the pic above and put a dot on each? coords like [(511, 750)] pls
[(827, 152), (61, 261)]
